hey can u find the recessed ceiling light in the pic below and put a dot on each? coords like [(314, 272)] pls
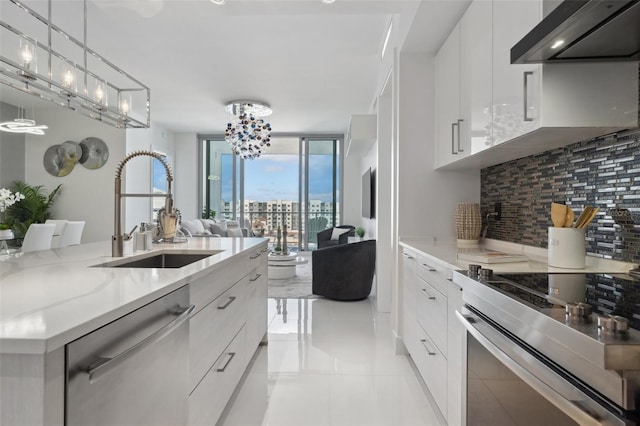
[(557, 44), (328, 1), (218, 2)]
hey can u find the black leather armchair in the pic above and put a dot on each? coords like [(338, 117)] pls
[(324, 237), (344, 272)]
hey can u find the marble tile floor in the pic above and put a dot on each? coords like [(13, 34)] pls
[(329, 363)]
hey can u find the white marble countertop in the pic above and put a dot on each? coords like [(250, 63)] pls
[(49, 298), (447, 252)]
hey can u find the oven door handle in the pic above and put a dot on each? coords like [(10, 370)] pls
[(486, 335)]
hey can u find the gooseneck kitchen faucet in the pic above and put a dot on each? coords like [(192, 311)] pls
[(118, 237)]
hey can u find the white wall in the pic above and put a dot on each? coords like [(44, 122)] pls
[(137, 172), (86, 194), (11, 149), (186, 170)]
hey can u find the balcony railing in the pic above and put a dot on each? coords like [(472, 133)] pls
[(265, 224)]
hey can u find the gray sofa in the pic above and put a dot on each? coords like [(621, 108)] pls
[(213, 228)]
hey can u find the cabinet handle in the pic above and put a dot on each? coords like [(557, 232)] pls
[(256, 278), (453, 132), (429, 268), (430, 297), (231, 299), (460, 120), (264, 250), (226, 364), (429, 351), (408, 256), (526, 95), (255, 256)]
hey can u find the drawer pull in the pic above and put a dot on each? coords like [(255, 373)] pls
[(429, 351), (231, 299), (256, 278), (255, 256), (429, 268), (450, 279), (264, 250), (430, 297), (408, 256), (226, 364)]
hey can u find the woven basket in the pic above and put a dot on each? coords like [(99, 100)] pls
[(468, 222)]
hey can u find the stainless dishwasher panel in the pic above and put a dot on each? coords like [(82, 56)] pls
[(135, 370)]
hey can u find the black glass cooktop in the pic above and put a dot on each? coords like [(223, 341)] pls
[(616, 294)]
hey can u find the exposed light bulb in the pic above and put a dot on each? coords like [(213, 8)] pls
[(557, 44), (124, 107), (27, 56), (68, 78), (99, 94)]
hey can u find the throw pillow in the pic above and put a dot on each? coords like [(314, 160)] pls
[(207, 223), (217, 230), (234, 232), (335, 235), (223, 226), (194, 226)]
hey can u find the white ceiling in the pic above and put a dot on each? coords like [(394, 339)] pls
[(315, 64)]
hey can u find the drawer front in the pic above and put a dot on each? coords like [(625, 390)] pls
[(207, 288), (208, 400), (431, 312), (433, 273), (257, 256), (212, 329), (433, 368), (256, 306)]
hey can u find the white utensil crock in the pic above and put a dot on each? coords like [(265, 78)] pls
[(566, 248)]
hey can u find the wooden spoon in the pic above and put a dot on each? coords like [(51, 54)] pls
[(588, 220), (583, 216), (558, 214), (570, 216)]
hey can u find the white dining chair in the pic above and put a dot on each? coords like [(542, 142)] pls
[(61, 224), (38, 237), (72, 233)]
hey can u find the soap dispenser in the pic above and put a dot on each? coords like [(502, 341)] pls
[(140, 238)]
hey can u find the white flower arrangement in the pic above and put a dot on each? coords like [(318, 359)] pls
[(8, 198)]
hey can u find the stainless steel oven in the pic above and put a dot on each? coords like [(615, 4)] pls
[(535, 358)]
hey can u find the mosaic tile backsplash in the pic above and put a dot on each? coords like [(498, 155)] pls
[(603, 173)]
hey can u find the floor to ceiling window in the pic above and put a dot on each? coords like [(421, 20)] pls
[(296, 183)]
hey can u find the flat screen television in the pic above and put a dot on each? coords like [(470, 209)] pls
[(368, 191)]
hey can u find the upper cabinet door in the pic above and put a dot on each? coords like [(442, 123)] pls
[(516, 88), (475, 76), (448, 100)]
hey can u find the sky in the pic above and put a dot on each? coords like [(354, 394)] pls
[(275, 177)]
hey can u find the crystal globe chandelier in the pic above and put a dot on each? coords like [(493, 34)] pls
[(247, 134)]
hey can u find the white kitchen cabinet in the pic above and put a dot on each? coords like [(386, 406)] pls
[(425, 321), (213, 327), (515, 89), (476, 84), (463, 84), (431, 332), (531, 108), (448, 99), (229, 324), (208, 400), (455, 337), (409, 293)]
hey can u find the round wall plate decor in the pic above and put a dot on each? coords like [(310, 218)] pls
[(95, 153), (59, 160)]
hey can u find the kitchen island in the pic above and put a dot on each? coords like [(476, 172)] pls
[(51, 298)]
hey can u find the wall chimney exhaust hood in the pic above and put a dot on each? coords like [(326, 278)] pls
[(583, 31)]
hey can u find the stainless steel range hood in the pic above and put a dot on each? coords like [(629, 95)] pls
[(583, 31)]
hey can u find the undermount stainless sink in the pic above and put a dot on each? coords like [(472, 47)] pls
[(161, 260)]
